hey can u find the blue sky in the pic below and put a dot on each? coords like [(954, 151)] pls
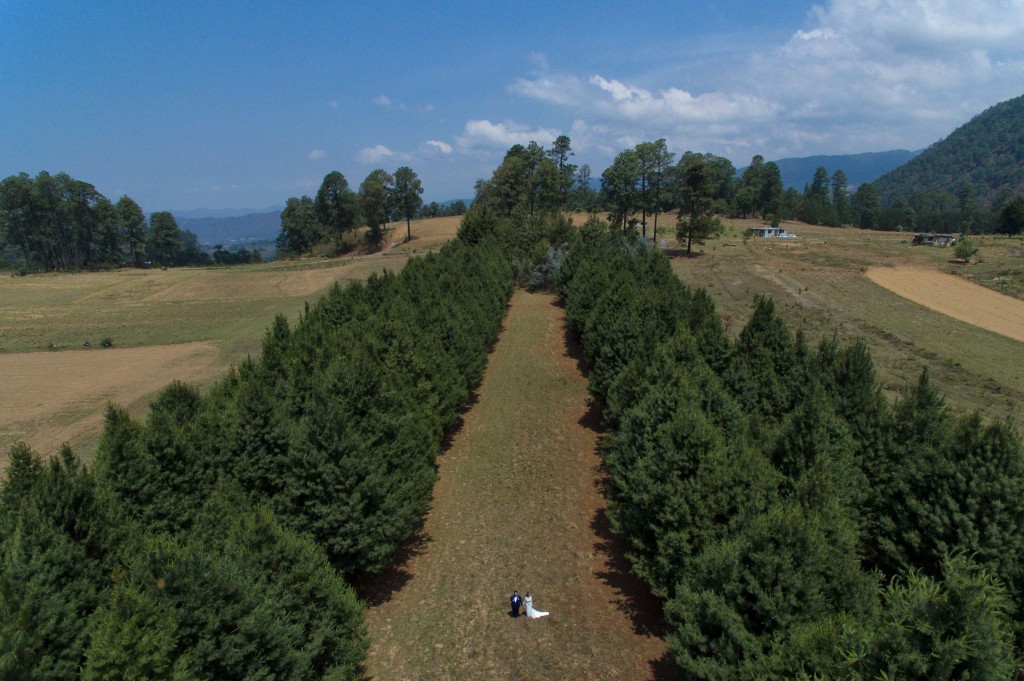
[(220, 104)]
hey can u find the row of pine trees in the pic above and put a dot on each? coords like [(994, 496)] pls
[(217, 538), (796, 522)]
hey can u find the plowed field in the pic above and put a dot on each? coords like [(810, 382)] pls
[(954, 297)]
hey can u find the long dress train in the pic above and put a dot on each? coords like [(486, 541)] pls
[(531, 613)]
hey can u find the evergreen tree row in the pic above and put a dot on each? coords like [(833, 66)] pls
[(797, 523), (53, 222), (89, 591), (213, 539)]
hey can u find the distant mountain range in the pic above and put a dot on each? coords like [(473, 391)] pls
[(987, 153), (858, 168), (232, 229), (222, 212)]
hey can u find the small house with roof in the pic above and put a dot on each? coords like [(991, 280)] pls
[(933, 239), (770, 232)]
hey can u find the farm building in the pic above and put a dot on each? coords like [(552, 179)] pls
[(930, 239), (768, 232)]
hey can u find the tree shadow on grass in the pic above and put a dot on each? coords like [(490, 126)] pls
[(380, 587), (573, 348), (634, 597)]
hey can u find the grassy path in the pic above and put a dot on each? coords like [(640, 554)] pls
[(518, 506)]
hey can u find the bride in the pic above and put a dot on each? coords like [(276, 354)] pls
[(530, 612)]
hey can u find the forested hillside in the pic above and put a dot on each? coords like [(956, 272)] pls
[(213, 540), (797, 524), (981, 162)]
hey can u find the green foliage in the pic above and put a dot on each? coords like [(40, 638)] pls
[(164, 238), (300, 229), (529, 181), (984, 152), (377, 202), (336, 206), (762, 487), (407, 191), (955, 627), (57, 537), (767, 601), (58, 222), (1011, 217), (965, 249), (697, 229)]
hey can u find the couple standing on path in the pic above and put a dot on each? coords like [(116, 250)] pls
[(517, 602)]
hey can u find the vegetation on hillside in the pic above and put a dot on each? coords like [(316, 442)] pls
[(971, 175), (329, 221)]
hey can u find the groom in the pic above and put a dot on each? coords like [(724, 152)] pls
[(517, 602)]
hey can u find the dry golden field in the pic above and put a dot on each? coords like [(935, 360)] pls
[(188, 324)]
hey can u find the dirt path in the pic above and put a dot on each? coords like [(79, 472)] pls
[(954, 297), (518, 506)]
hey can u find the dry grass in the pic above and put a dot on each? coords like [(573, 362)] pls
[(189, 324), (819, 284), (57, 397), (518, 506)]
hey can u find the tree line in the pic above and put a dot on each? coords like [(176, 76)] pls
[(337, 210), (55, 222), (216, 538), (796, 522), (647, 181)]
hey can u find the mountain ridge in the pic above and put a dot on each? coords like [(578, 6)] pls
[(986, 153), (859, 168)]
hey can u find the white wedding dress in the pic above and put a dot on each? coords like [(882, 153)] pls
[(531, 613)]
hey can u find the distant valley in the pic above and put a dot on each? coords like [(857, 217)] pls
[(232, 230), (858, 168)]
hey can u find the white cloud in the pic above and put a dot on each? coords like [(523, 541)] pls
[(860, 75), (375, 154), (382, 100), (942, 25), (443, 147), (564, 90), (483, 133), (316, 154), (333, 104)]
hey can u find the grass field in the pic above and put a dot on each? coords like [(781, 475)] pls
[(189, 324), (820, 284), (518, 506)]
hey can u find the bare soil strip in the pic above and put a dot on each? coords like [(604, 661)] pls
[(954, 297), (518, 506), (56, 397)]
